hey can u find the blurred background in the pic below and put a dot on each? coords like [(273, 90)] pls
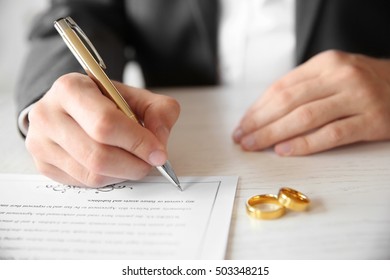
[(16, 17)]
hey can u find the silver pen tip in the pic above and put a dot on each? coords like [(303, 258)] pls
[(168, 173)]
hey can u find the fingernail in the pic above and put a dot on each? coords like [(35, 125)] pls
[(157, 158), (237, 134), (284, 149), (248, 142)]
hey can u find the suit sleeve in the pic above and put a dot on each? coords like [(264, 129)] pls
[(49, 58)]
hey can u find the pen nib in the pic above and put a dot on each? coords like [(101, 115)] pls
[(168, 173)]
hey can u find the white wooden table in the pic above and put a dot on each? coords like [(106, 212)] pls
[(349, 187)]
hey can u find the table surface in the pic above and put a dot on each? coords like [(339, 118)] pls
[(349, 187)]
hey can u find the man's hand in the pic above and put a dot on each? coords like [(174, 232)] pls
[(78, 136), (334, 99)]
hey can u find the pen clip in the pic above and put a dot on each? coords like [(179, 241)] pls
[(72, 24)]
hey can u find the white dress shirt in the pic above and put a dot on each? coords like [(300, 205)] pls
[(256, 41)]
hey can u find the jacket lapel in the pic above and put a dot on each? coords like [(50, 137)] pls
[(206, 16), (306, 14)]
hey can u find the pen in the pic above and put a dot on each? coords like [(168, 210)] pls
[(93, 65)]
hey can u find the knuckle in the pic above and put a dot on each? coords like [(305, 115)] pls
[(172, 109), (68, 83), (269, 136), (352, 72), (335, 135), (102, 127), (358, 76), (137, 144), (305, 146), (249, 124), (333, 56), (306, 116), (37, 114), (285, 98), (96, 160), (277, 87), (93, 180)]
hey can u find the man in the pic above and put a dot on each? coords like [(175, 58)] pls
[(332, 98)]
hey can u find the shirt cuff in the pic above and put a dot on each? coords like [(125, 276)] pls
[(23, 122)]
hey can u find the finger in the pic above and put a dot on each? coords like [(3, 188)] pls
[(300, 121), (54, 162), (321, 64), (104, 122), (338, 133), (42, 142), (311, 69), (283, 102), (63, 177), (57, 174), (43, 152), (159, 113), (99, 158), (293, 89)]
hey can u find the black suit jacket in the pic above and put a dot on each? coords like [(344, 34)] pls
[(175, 41)]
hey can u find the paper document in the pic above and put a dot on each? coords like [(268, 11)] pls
[(149, 219)]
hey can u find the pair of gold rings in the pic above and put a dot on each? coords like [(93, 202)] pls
[(269, 206)]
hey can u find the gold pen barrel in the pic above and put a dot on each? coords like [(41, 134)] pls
[(92, 67), (108, 89)]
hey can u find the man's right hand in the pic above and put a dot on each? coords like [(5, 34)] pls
[(78, 136)]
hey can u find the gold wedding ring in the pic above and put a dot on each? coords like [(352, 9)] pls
[(264, 206), (269, 206), (292, 199)]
